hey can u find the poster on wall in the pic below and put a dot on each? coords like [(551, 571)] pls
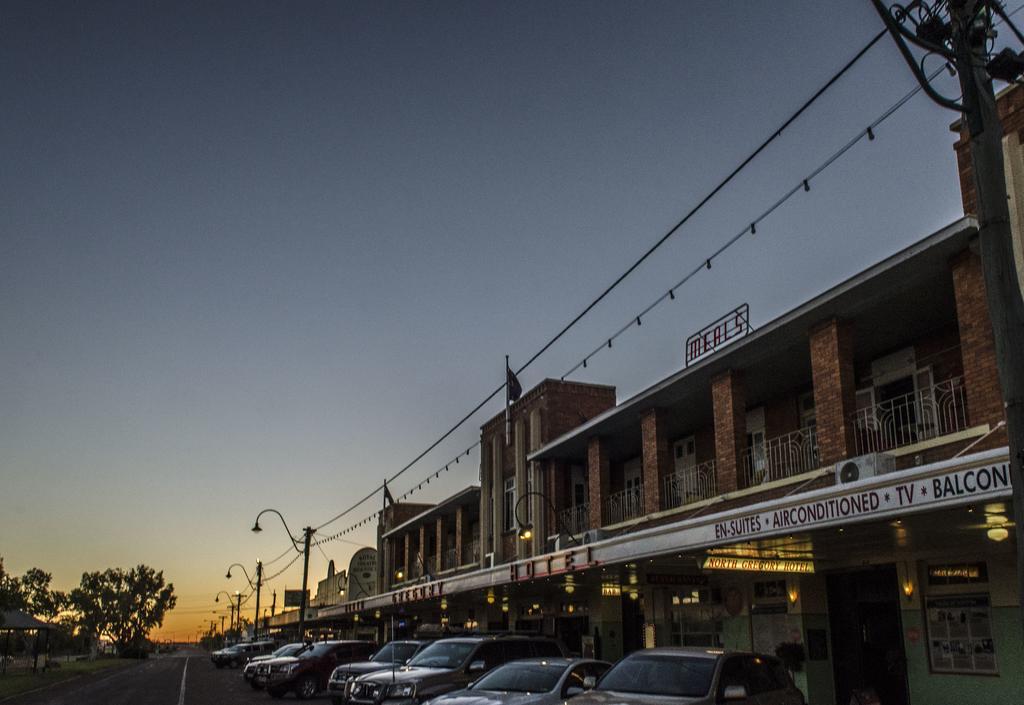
[(960, 634)]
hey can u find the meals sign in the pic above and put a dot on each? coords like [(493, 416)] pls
[(980, 481)]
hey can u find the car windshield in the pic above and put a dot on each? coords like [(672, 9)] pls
[(671, 675), (443, 654), (395, 652), (317, 650), (288, 650), (522, 678)]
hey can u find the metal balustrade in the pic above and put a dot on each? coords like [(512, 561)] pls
[(919, 416), (781, 457), (471, 552), (448, 560), (625, 505), (575, 519), (689, 485)]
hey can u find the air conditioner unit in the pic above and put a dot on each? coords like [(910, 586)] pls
[(559, 543), (488, 560), (594, 535), (863, 467)]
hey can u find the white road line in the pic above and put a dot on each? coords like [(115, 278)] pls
[(181, 695)]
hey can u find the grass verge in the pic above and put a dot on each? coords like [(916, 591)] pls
[(13, 684)]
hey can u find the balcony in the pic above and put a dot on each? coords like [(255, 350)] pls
[(448, 560), (689, 485), (471, 553), (625, 505), (912, 418), (781, 457), (575, 520)]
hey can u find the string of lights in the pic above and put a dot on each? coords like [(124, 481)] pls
[(772, 137), (804, 186), (278, 573), (337, 536)]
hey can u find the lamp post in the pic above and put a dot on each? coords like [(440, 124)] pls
[(526, 528), (257, 585), (231, 606), (307, 534)]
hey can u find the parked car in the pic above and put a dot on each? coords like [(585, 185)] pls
[(249, 671), (392, 654), (694, 676), (238, 654), (447, 665), (306, 673), (530, 682)]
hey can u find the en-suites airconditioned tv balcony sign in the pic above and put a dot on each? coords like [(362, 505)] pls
[(710, 338)]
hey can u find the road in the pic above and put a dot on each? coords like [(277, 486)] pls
[(184, 678)]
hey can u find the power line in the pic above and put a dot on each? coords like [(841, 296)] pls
[(672, 231), (706, 262)]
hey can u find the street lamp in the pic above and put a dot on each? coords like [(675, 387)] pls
[(526, 528), (230, 605), (257, 585), (307, 534)]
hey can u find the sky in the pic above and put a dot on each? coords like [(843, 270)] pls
[(262, 254)]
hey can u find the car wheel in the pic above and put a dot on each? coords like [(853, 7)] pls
[(306, 688)]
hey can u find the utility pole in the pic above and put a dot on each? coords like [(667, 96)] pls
[(308, 532), (222, 625), (963, 38), (259, 584)]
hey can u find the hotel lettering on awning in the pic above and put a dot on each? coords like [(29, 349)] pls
[(758, 565)]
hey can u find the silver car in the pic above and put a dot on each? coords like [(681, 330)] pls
[(671, 676), (535, 681)]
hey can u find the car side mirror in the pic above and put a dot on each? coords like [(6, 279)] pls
[(589, 682), (477, 667), (735, 692)]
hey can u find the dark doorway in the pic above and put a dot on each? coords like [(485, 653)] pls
[(867, 636), (571, 631), (632, 625)]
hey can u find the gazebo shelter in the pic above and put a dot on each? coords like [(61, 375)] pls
[(17, 621)]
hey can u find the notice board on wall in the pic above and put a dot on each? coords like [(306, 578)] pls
[(960, 634)]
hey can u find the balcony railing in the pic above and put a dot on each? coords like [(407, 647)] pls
[(919, 416), (448, 560), (625, 505), (471, 552), (690, 485), (781, 457), (576, 519)]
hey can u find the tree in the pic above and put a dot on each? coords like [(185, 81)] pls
[(121, 605), (10, 592), (39, 599)]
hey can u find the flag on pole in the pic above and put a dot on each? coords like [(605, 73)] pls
[(388, 497), (515, 390)]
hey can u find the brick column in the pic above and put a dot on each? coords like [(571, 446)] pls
[(977, 344), (439, 548), (405, 556), (835, 389), (598, 470), (522, 509), (486, 498), (497, 489), (657, 457), (423, 549), (557, 479), (460, 517), (728, 396)]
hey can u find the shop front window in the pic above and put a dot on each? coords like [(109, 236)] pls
[(697, 617)]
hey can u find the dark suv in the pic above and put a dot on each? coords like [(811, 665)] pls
[(447, 665), (394, 654), (306, 674), (239, 654)]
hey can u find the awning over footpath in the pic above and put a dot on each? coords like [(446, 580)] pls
[(948, 483)]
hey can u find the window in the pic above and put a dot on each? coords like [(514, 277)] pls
[(509, 501), (657, 674), (547, 648), (529, 500), (491, 653), (808, 414), (515, 650)]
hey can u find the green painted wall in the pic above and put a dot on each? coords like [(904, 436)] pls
[(736, 633), (816, 679), (927, 688)]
